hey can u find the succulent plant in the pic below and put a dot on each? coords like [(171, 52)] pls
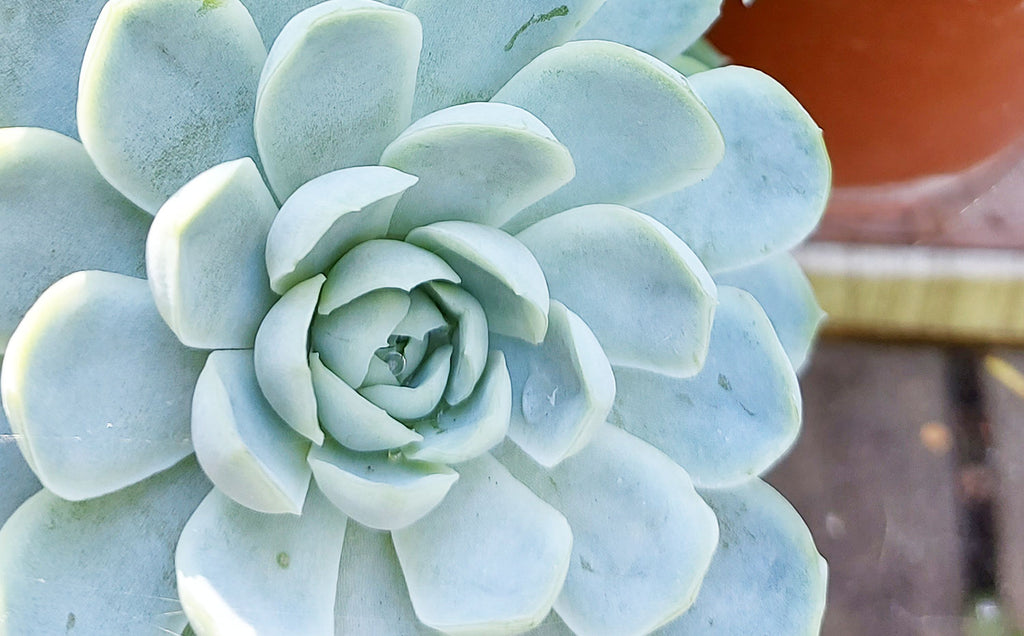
[(447, 300)]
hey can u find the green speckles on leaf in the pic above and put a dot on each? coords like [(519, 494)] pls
[(209, 5), (70, 625), (724, 382), (557, 12), (283, 560)]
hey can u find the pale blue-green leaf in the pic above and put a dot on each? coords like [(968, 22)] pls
[(40, 54), (58, 216), (167, 90), (474, 426), (372, 597), (785, 294), (98, 567), (490, 559), (245, 449), (469, 340), (270, 16), (244, 573), (497, 270), (663, 28), (418, 397), (705, 53), (379, 372), (479, 162), (379, 490), (766, 560), (561, 389), (347, 338), (350, 418), (282, 344), (770, 190), (381, 263), (328, 216), (204, 257), (643, 537), (664, 299), (17, 481), (735, 418), (634, 127), (96, 388), (472, 47), (336, 89), (422, 318), (687, 65)]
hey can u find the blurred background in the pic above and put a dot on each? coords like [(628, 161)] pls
[(910, 468)]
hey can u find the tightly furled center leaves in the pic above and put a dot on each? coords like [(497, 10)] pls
[(437, 298)]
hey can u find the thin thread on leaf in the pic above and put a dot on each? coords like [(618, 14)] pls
[(557, 12)]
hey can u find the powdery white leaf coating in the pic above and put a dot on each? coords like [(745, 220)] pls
[(663, 28), (472, 47), (497, 160), (249, 453), (783, 291), (766, 559), (58, 216), (204, 257), (282, 343), (101, 566), (469, 340), (490, 558), (736, 417), (664, 298), (642, 536), (419, 397), (562, 388), (634, 127), (118, 417), (154, 110), (316, 111), (379, 490), (497, 270), (472, 427), (242, 572), (19, 481), (380, 264), (328, 216), (770, 190), (351, 419)]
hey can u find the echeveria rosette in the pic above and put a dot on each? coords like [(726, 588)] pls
[(348, 347)]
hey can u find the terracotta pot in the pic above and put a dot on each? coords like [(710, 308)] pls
[(922, 104)]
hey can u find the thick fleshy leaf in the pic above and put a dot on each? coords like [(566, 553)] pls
[(40, 55), (422, 318), (379, 490), (491, 558), (103, 566), (663, 28), (735, 418), (419, 397), (770, 190), (372, 597), (270, 16), (347, 338), (336, 89), (328, 216), (351, 419), (381, 263), (635, 129), (57, 216), (282, 344), (248, 452), (765, 559), (474, 426), (472, 47), (469, 340), (785, 294), (17, 481), (96, 388), (153, 111), (205, 257), (664, 298), (246, 573), (478, 162), (643, 537), (561, 389), (497, 270)]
